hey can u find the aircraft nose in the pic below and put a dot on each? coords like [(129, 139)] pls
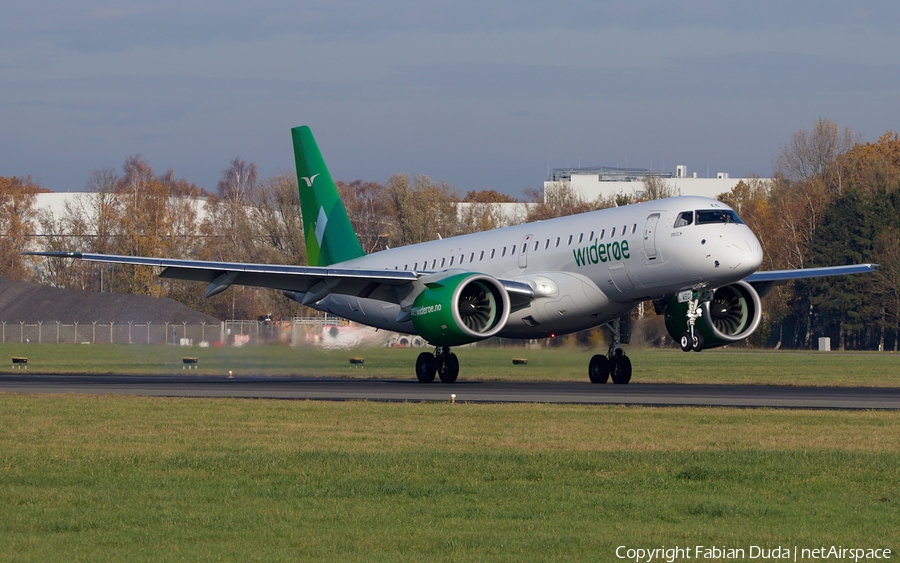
[(746, 256)]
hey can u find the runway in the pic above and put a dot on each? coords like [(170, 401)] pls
[(760, 396)]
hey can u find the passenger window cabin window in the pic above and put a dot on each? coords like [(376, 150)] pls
[(684, 219), (503, 253), (536, 244), (557, 242), (602, 234), (547, 244), (580, 238), (416, 266), (452, 258), (590, 238), (512, 251), (481, 256), (471, 257), (570, 240), (633, 228), (624, 230), (613, 233), (433, 263), (493, 251)]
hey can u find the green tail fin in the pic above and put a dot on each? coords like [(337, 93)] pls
[(329, 235)]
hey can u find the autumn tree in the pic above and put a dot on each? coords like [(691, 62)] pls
[(424, 210), (558, 199), (869, 165), (371, 210), (887, 280), (806, 179), (487, 196), (17, 224), (238, 182), (150, 222), (656, 187)]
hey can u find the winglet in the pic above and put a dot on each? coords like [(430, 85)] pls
[(327, 229)]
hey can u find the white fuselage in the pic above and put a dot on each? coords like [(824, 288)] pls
[(585, 269)]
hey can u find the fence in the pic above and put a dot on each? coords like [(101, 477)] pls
[(229, 333)]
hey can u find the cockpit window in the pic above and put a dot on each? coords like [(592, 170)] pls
[(709, 216), (684, 219)]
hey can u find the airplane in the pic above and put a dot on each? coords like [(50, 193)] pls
[(693, 257)]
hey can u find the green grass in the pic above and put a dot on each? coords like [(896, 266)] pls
[(121, 478), (650, 365)]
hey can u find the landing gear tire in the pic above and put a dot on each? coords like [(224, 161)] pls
[(426, 367), (686, 342), (689, 343), (620, 369), (698, 342), (598, 370), (448, 368)]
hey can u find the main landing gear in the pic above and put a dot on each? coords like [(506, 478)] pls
[(615, 363), (442, 362)]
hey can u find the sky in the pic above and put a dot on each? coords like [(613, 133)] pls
[(483, 95)]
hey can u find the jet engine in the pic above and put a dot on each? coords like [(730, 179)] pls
[(732, 315), (460, 309)]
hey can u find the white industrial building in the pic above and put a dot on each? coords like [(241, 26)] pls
[(57, 203), (605, 182)]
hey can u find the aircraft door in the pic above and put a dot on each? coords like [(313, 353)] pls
[(650, 237), (523, 252)]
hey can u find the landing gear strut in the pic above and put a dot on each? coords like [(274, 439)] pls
[(615, 363), (442, 362), (692, 339)]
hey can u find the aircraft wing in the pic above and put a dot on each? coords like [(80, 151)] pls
[(764, 282), (306, 284), (786, 275)]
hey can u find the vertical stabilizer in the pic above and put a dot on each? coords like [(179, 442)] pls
[(329, 235)]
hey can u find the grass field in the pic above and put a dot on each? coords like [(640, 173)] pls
[(650, 365), (120, 478)]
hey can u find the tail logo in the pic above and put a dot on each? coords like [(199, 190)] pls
[(321, 221), (309, 180)]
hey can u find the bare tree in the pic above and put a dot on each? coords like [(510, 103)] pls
[(280, 223), (238, 182), (558, 199), (656, 187), (811, 155), (424, 210), (371, 211), (17, 224)]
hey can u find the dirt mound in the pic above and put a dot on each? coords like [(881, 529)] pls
[(30, 303)]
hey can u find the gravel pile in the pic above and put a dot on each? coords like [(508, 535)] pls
[(30, 303)]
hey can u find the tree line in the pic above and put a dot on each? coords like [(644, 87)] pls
[(833, 200)]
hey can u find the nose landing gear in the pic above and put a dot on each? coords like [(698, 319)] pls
[(692, 339)]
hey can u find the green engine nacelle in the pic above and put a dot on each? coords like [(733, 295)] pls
[(732, 315), (460, 309)]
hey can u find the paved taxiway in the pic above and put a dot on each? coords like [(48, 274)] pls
[(772, 396)]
